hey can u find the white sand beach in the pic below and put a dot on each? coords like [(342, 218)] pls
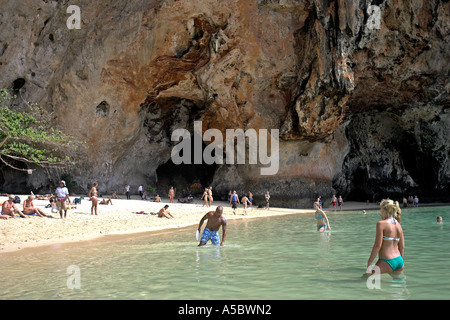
[(122, 217)]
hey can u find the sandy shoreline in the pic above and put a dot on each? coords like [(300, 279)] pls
[(120, 218)]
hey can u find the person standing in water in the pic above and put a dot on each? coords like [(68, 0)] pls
[(322, 219), (211, 231), (389, 242)]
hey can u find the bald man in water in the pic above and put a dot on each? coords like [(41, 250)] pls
[(211, 231)]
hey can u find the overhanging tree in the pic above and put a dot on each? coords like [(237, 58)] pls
[(27, 137)]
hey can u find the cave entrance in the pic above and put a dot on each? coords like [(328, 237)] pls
[(186, 178)]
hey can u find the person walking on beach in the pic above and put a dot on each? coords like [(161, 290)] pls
[(234, 201), (340, 203), (211, 231), (244, 201), (210, 197), (127, 190), (140, 191), (171, 194), (267, 197), (416, 201), (29, 208), (9, 208), (322, 219), (334, 202), (205, 198), (62, 194), (93, 193), (250, 199), (389, 242)]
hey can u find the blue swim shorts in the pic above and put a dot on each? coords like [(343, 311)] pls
[(210, 235)]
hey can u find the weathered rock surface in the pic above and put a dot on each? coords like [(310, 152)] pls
[(361, 102)]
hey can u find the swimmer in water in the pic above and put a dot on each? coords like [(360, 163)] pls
[(389, 242), (322, 219)]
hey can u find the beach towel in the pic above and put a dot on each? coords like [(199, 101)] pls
[(142, 212)]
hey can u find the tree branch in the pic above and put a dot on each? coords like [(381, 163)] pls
[(4, 140), (11, 166)]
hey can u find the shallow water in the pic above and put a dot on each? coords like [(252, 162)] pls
[(267, 258)]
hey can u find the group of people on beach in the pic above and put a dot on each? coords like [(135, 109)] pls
[(10, 209), (411, 201), (337, 202), (61, 200), (207, 197), (234, 201), (389, 241)]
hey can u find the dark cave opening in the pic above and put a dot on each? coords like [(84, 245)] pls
[(419, 162), (389, 160), (185, 178), (102, 110), (18, 84)]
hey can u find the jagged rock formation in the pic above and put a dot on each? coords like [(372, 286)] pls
[(360, 100)]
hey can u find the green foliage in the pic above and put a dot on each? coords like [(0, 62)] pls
[(28, 138)]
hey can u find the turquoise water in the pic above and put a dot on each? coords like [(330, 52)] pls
[(266, 258)]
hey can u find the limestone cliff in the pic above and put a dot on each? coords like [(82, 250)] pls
[(357, 88)]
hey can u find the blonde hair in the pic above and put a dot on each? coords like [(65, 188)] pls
[(392, 209)]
